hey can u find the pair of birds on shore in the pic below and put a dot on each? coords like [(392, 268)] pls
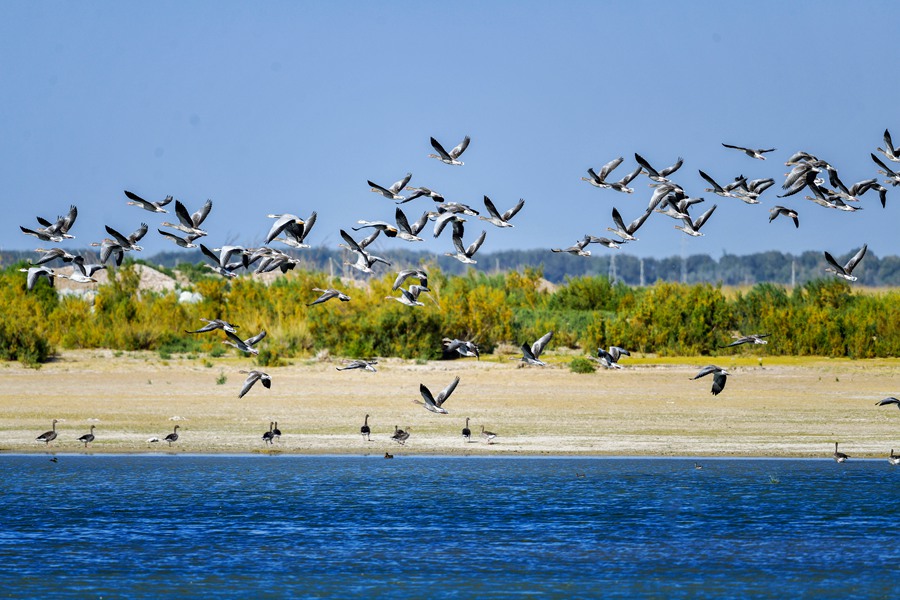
[(49, 436)]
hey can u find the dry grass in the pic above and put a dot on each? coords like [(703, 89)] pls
[(787, 407)]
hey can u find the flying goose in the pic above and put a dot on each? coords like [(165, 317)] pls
[(405, 274), (190, 223), (461, 347), (692, 228), (435, 403), (622, 184), (48, 436), (890, 153), (42, 234), (128, 242), (719, 377), (365, 430), (599, 179), (368, 365), (610, 358), (777, 211), (393, 192), (184, 242), (751, 152), (408, 232), (388, 229), (658, 176), (464, 255), (496, 218), (213, 324), (285, 223), (893, 177), (578, 249), (35, 273), (110, 249), (245, 345), (88, 437), (328, 295), (846, 270), (51, 254), (888, 401), (253, 377), (156, 207), (467, 433), (839, 456), (215, 263), (79, 272), (409, 296), (753, 338), (627, 232), (60, 228), (173, 437), (364, 260), (418, 192), (452, 157), (531, 354), (488, 435)]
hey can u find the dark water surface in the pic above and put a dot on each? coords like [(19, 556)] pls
[(335, 526)]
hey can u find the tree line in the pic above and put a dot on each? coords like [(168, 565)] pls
[(824, 317)]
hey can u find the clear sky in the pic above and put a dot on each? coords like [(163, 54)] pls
[(268, 107)]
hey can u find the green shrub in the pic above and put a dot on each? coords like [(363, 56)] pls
[(581, 365)]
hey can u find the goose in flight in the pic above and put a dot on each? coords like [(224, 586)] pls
[(253, 377), (658, 176), (383, 226), (367, 365), (418, 192), (42, 234), (488, 435), (893, 177), (436, 403), (839, 456), (890, 153), (328, 295), (294, 234), (128, 242), (622, 184), (692, 228), (60, 228), (213, 324), (777, 211), (408, 232), (184, 242), (110, 249), (245, 345), (496, 218), (190, 223), (35, 273), (155, 207), (719, 376), (599, 179), (405, 274), (531, 354), (753, 338), (215, 263), (604, 241), (578, 249), (888, 401), (846, 270), (464, 255), (79, 272), (751, 152), (393, 192), (452, 157), (627, 232), (364, 260), (718, 189), (48, 436), (410, 296), (285, 223), (52, 254), (610, 358), (461, 347)]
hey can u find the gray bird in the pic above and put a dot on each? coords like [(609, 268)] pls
[(328, 295), (719, 376), (252, 378), (531, 354), (435, 403), (846, 270)]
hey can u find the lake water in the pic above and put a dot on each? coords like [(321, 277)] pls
[(441, 527)]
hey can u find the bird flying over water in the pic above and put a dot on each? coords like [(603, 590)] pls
[(435, 403)]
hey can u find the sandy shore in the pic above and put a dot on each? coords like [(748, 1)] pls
[(792, 408)]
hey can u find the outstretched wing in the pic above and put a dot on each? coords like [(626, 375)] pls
[(512, 212), (851, 264), (440, 150), (256, 338), (538, 347), (445, 393), (718, 383), (460, 148)]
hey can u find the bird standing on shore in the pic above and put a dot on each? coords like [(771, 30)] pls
[(365, 430), (88, 437), (48, 436), (839, 456), (488, 435), (467, 433), (173, 437)]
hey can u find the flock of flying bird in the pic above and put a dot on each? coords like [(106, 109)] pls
[(668, 198)]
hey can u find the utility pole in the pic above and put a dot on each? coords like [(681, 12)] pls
[(642, 272)]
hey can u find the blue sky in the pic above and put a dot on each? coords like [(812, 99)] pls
[(291, 106)]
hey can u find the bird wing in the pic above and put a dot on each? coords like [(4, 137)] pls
[(538, 346), (515, 209), (669, 170), (617, 351), (445, 393), (138, 234), (628, 178), (460, 148), (138, 199), (171, 236), (399, 185), (527, 353), (606, 169), (474, 246), (492, 210), (889, 400), (718, 383), (350, 242), (705, 371), (121, 239), (402, 221), (280, 224), (384, 191), (198, 217), (210, 255), (830, 259), (183, 215), (645, 165), (69, 219), (252, 378), (256, 338), (426, 395), (704, 217), (416, 227), (741, 148), (712, 182), (851, 264), (458, 244), (636, 224), (617, 219), (308, 225), (440, 149)]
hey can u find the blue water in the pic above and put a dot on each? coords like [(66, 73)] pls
[(440, 527)]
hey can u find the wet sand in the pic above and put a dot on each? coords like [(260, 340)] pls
[(787, 408)]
